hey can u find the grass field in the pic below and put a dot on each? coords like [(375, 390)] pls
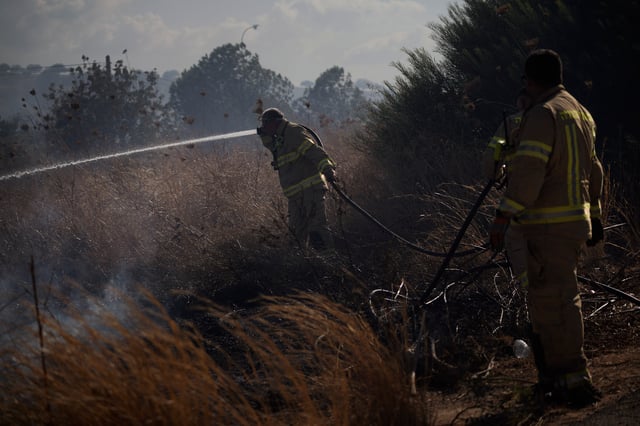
[(165, 288)]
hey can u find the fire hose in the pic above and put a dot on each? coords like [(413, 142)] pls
[(414, 246)]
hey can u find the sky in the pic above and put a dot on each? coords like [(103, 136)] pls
[(299, 39)]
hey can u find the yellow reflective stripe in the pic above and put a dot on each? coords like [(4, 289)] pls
[(303, 184), (573, 165), (294, 155), (555, 214), (507, 205), (534, 149), (496, 140), (497, 143), (577, 115), (595, 210), (324, 163)]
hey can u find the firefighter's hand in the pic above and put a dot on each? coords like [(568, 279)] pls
[(498, 231), (597, 232), (330, 175)]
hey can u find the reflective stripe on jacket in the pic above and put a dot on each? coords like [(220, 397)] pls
[(299, 160), (554, 175)]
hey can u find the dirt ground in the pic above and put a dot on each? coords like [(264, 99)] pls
[(493, 393), (492, 398)]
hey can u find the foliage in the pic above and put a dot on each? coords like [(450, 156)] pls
[(8, 126), (333, 98), (9, 148), (486, 42), (101, 108), (17, 81), (483, 45), (217, 95), (419, 116)]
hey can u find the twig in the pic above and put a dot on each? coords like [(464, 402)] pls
[(10, 302), (598, 310), (474, 407), (609, 289), (41, 337), (484, 373)]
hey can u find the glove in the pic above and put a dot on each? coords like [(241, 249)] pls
[(597, 232), (330, 175), (498, 230)]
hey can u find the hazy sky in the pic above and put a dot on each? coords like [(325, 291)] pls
[(297, 38)]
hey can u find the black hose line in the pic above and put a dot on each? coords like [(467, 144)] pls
[(366, 214), (456, 242), (400, 238)]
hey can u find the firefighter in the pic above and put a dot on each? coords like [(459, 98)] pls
[(304, 168), (553, 195), (501, 148)]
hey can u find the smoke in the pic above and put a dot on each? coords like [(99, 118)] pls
[(67, 305)]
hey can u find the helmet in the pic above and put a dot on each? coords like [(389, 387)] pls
[(271, 114)]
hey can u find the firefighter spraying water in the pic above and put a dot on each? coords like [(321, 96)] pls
[(302, 166)]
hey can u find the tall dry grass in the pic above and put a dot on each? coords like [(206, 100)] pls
[(297, 360)]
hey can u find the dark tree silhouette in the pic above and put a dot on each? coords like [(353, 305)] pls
[(218, 94)]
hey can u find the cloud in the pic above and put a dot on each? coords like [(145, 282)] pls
[(297, 38), (151, 30), (356, 34), (47, 31)]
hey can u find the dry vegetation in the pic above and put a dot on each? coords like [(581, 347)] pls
[(150, 271), (304, 360)]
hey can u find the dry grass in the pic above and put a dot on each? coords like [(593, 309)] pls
[(304, 360)]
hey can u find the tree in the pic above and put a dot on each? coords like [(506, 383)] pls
[(485, 42), (483, 45), (418, 118), (333, 97), (217, 94), (104, 106)]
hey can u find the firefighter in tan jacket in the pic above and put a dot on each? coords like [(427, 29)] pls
[(553, 196), (303, 168)]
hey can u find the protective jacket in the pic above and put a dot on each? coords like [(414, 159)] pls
[(501, 148), (555, 176), (299, 160)]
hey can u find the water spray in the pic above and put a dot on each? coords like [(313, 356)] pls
[(187, 142)]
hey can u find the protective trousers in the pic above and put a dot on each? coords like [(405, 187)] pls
[(308, 219), (555, 308), (516, 247)]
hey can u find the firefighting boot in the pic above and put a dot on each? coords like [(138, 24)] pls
[(576, 390)]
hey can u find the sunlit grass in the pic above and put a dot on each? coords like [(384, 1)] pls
[(297, 360)]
